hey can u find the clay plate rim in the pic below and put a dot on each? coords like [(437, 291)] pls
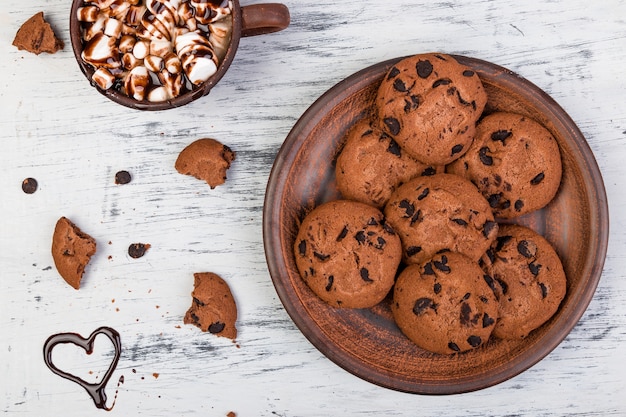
[(366, 342)]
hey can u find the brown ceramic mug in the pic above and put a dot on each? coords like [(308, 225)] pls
[(249, 20)]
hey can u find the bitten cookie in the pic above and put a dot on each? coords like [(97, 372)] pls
[(441, 212), (429, 103), (72, 250), (371, 165), (514, 161), (444, 305), (528, 278), (213, 308), (206, 159), (347, 254), (36, 36)]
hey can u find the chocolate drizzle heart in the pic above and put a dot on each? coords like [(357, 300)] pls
[(96, 391)]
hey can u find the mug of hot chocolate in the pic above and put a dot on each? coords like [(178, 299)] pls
[(162, 54)]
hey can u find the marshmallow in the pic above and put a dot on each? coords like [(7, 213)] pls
[(160, 47), (87, 13), (127, 44), (141, 49), (113, 28), (103, 78), (159, 94), (129, 61), (137, 83), (153, 63), (208, 12), (101, 51)]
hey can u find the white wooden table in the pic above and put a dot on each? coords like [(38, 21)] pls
[(56, 128)]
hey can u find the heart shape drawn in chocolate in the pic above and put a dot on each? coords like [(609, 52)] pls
[(96, 391)]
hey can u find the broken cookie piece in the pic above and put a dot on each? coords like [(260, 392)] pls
[(71, 250), (36, 36), (213, 307), (206, 159)]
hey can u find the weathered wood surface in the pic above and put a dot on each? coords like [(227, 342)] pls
[(56, 128)]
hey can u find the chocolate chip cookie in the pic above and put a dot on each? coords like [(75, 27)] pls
[(429, 104), (514, 161), (72, 250), (347, 254), (441, 212), (206, 159), (371, 165), (528, 278), (444, 305)]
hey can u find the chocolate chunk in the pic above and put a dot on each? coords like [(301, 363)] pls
[(490, 282), (394, 148), (442, 265), (501, 136), (537, 179), (488, 227), (360, 236), (544, 290), (494, 200), (342, 234), (413, 250), (460, 222), (421, 305), (484, 158), (437, 288), (365, 275), (399, 85), (424, 68), (29, 185), (501, 241), (423, 194), (505, 204), (302, 247), (122, 177), (372, 222), (474, 341), (393, 72), (466, 310), (409, 209), (393, 124), (523, 249), (487, 321), (137, 250), (216, 327), (503, 285), (491, 255), (483, 299), (519, 205), (198, 302), (534, 268), (417, 217), (331, 279), (462, 101), (466, 296), (387, 228), (381, 242), (428, 172), (456, 149), (468, 73), (453, 346), (441, 81), (428, 269), (322, 257)]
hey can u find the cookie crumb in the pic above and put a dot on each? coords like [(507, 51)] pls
[(155, 375), (36, 36), (137, 250), (29, 185), (71, 251), (122, 177), (231, 414)]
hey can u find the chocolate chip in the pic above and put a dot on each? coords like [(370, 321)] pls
[(534, 268), (137, 250), (372, 222), (523, 249), (428, 172), (494, 200), (460, 222), (417, 217), (331, 279), (311, 271), (394, 148), (387, 228), (474, 341), (468, 73), (216, 327), (484, 299), (437, 288), (488, 227), (302, 247), (393, 124), (365, 275), (466, 296), (441, 81), (399, 85), (484, 158), (505, 204), (198, 302), (519, 205), (501, 241), (503, 285), (409, 209), (466, 310), (322, 257), (453, 346), (360, 236), (411, 103), (487, 321), (537, 179), (462, 101), (122, 177), (381, 242), (342, 234), (456, 149), (442, 265), (491, 255), (490, 282), (392, 73), (421, 305), (29, 185), (423, 194), (501, 136), (413, 250), (424, 68)]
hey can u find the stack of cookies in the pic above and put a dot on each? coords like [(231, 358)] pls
[(427, 181)]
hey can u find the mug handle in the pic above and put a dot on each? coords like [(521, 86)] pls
[(259, 19)]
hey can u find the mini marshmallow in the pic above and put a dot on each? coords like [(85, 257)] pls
[(133, 17), (207, 12), (141, 49), (96, 27), (221, 36), (103, 78), (158, 94), (172, 82), (153, 63), (127, 44), (137, 83), (87, 13), (113, 28), (172, 63), (160, 47), (129, 61), (101, 51)]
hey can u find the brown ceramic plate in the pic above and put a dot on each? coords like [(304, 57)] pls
[(366, 342)]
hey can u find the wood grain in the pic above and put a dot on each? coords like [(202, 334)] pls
[(55, 128)]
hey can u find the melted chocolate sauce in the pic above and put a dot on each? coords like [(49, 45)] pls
[(96, 391)]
